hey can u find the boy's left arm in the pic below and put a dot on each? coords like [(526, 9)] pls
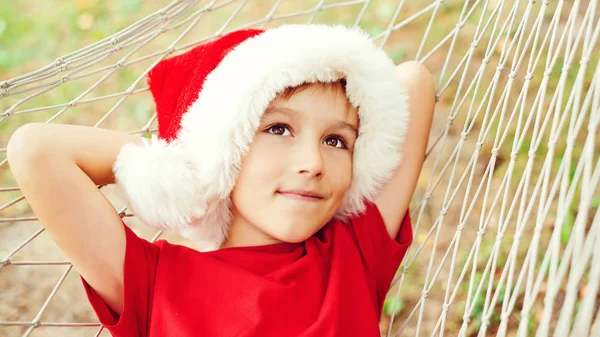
[(394, 197)]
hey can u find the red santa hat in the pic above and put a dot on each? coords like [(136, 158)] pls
[(209, 104)]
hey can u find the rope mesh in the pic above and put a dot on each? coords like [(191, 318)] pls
[(505, 216)]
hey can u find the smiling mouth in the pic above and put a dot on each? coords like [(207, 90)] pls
[(300, 197)]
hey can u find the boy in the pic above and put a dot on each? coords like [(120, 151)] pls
[(300, 222)]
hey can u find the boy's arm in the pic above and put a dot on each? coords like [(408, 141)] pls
[(57, 168), (394, 197)]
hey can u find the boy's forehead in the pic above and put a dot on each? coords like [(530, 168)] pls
[(311, 95)]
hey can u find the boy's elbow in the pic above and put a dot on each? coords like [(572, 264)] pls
[(23, 144), (420, 86)]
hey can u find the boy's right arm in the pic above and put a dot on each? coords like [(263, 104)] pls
[(57, 167)]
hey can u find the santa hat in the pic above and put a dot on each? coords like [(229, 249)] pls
[(209, 104)]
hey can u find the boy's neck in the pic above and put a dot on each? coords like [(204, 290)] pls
[(244, 234)]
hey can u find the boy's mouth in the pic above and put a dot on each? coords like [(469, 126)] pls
[(302, 195)]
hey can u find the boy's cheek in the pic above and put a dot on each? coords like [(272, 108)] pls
[(339, 168), (267, 143)]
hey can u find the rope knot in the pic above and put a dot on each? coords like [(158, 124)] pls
[(513, 156), (531, 153), (495, 152), (425, 293), (529, 76), (463, 135), (512, 74)]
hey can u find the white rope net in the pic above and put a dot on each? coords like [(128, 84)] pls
[(505, 216)]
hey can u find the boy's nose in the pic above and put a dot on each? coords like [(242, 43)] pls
[(308, 158)]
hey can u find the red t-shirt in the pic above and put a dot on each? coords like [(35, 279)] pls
[(332, 284)]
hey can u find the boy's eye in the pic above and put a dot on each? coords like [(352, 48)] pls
[(278, 129), (281, 129), (335, 141)]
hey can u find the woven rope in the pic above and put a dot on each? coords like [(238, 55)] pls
[(520, 80)]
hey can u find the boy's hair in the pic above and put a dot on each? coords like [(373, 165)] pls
[(336, 87)]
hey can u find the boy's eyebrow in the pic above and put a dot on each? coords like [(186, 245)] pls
[(294, 114)]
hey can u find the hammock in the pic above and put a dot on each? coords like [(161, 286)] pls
[(505, 216)]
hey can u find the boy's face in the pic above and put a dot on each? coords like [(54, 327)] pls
[(303, 144)]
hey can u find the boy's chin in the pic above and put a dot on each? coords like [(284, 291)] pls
[(294, 232), (295, 238)]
